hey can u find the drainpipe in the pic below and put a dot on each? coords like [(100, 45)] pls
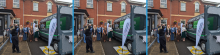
[(170, 11), (23, 13), (97, 12)]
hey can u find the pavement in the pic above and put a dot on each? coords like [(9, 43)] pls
[(108, 46), (23, 46), (35, 47), (97, 47), (171, 48), (182, 46)]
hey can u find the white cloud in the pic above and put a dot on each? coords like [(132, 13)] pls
[(218, 1)]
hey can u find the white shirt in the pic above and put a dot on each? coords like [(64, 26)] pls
[(36, 29), (109, 29)]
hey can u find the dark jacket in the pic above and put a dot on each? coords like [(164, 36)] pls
[(94, 31), (88, 31), (14, 31), (168, 32), (162, 31)]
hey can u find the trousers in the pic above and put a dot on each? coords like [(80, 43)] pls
[(162, 43), (15, 43), (89, 43)]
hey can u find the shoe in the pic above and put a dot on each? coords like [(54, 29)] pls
[(87, 51), (13, 51), (161, 51), (93, 52), (166, 52), (19, 52)]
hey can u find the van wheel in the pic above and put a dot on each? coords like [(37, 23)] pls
[(202, 45), (129, 46), (55, 46)]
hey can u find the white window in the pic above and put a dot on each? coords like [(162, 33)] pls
[(49, 7), (36, 22), (35, 6), (151, 3), (109, 6), (163, 3), (16, 3), (110, 22), (3, 3), (183, 6), (16, 21), (89, 3), (196, 7), (183, 21), (164, 21), (123, 7), (90, 21), (76, 3)]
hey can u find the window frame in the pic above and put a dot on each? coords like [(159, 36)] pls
[(164, 3), (123, 3), (163, 23), (109, 7), (197, 5), (90, 3), (87, 21), (49, 3), (35, 23), (151, 3), (182, 8), (35, 7), (77, 2), (16, 23), (3, 1), (16, 3), (110, 21)]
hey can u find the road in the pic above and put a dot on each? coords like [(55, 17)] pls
[(182, 46), (108, 47), (35, 47)]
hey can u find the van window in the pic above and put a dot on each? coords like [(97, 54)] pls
[(213, 22)]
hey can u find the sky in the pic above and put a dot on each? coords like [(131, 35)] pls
[(131, 0), (214, 0)]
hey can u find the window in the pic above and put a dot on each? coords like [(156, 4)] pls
[(163, 3), (89, 3), (16, 21), (196, 7), (164, 21), (109, 6), (151, 3), (36, 22), (183, 21), (16, 3), (76, 3), (110, 22), (123, 7), (183, 6), (3, 3), (90, 21), (35, 6), (49, 7)]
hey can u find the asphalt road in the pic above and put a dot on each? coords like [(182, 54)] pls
[(35, 47), (182, 46), (108, 46)]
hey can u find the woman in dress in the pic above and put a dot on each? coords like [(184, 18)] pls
[(30, 34), (20, 33), (94, 33), (109, 32), (24, 30), (178, 34), (99, 33), (104, 34), (168, 32), (36, 33), (172, 33), (183, 32)]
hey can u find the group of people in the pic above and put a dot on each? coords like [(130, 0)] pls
[(166, 33), (19, 33), (98, 33)]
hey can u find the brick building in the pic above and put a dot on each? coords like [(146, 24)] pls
[(179, 10), (105, 10), (31, 10)]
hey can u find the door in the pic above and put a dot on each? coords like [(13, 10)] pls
[(1, 24)]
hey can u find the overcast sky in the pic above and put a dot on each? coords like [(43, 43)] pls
[(131, 0), (214, 0)]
